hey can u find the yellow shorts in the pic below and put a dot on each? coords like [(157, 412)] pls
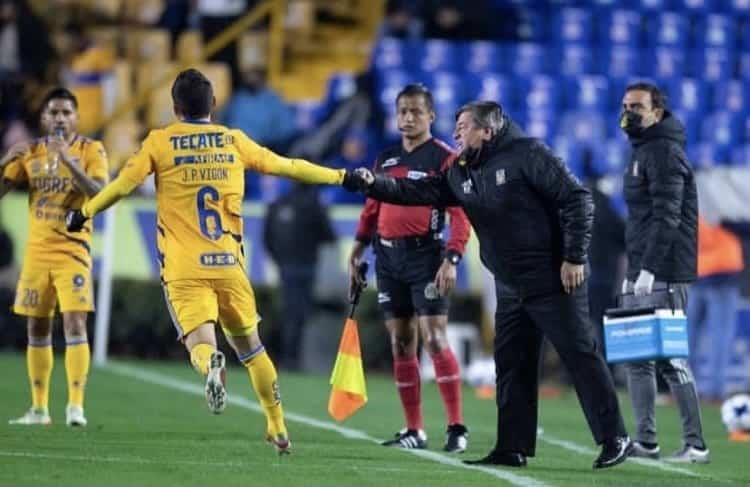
[(40, 287), (229, 302)]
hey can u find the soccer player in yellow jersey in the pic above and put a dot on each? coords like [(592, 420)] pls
[(199, 168), (62, 171)]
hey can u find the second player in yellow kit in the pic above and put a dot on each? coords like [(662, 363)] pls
[(199, 169), (61, 170)]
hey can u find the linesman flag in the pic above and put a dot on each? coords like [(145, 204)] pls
[(348, 388)]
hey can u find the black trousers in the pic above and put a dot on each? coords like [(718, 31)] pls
[(519, 328)]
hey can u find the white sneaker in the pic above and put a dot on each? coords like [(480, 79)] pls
[(690, 454), (33, 416), (641, 451), (216, 392), (74, 416)]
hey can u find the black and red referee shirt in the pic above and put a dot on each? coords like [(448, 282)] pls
[(395, 221)]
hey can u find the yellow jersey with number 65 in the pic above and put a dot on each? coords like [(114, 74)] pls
[(199, 170)]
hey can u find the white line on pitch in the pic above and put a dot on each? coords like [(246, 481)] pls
[(195, 389)]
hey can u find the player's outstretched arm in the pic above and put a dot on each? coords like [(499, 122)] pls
[(265, 161)]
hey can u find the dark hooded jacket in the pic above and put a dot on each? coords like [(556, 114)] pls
[(661, 233), (529, 212)]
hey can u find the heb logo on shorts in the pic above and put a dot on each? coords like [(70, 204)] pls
[(78, 281), (218, 259)]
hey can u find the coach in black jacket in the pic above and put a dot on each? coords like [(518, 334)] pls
[(533, 220), (661, 238)]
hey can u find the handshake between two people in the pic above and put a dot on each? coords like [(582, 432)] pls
[(358, 180)]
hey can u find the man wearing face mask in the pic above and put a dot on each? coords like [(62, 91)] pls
[(533, 219), (661, 242)]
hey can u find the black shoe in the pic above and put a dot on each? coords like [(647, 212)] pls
[(456, 438), (411, 439), (614, 452), (507, 458)]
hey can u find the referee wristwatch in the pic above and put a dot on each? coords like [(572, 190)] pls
[(453, 257)]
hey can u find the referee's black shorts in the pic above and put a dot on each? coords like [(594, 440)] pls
[(405, 272)]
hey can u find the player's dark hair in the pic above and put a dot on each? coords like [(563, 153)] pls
[(658, 98), (192, 94), (417, 89), (59, 93)]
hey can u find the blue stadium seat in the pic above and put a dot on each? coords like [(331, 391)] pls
[(654, 5), (731, 95), (532, 24), (570, 152), (575, 59), (491, 86), (438, 55), (745, 36), (738, 7), (541, 124), (622, 27), (668, 29), (588, 128), (587, 92), (704, 155), (620, 61), (667, 62), (740, 155), (691, 121), (447, 93), (743, 64), (389, 83), (688, 95), (722, 128), (716, 30), (538, 92), (483, 57), (573, 25), (527, 59), (712, 63), (392, 53), (696, 7), (611, 157)]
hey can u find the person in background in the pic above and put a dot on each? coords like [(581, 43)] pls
[(355, 152), (295, 227), (260, 112), (712, 309), (661, 243), (89, 69)]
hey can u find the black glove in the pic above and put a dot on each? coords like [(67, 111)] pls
[(74, 220), (353, 181)]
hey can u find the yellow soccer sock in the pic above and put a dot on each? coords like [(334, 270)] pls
[(200, 356), (77, 360), (265, 382), (39, 360)]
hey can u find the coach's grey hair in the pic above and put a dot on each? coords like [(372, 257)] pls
[(485, 114)]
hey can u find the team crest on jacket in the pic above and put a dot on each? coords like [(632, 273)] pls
[(466, 186), (500, 177)]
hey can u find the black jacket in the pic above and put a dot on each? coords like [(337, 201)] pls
[(661, 233), (529, 212), (295, 227)]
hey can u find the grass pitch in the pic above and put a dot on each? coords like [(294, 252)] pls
[(149, 426)]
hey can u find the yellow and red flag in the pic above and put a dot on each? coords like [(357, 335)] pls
[(348, 392)]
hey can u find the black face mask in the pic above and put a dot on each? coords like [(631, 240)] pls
[(631, 123)]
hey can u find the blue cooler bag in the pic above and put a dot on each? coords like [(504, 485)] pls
[(648, 333)]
